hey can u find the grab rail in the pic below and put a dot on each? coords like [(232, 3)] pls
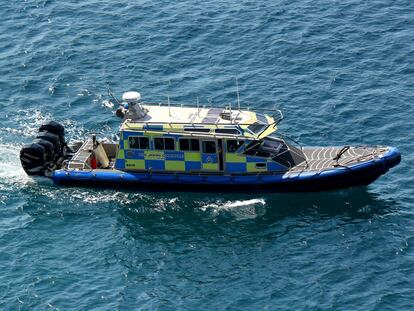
[(68, 162), (272, 112)]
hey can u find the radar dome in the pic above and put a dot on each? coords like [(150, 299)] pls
[(131, 97)]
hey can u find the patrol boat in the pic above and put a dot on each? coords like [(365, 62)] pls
[(165, 147)]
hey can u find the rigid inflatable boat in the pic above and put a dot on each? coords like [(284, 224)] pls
[(194, 148)]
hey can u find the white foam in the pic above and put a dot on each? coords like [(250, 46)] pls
[(108, 104), (238, 209), (10, 167), (27, 123), (235, 204)]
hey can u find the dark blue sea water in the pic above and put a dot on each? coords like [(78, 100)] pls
[(342, 71)]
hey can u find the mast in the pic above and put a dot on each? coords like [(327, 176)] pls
[(238, 95), (169, 107)]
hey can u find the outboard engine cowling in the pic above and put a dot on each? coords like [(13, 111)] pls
[(33, 158), (47, 152), (54, 128), (48, 146), (52, 138)]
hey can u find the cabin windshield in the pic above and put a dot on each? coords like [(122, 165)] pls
[(266, 147), (276, 149)]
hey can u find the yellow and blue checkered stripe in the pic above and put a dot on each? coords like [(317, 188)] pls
[(185, 161), (159, 160), (163, 160), (235, 163)]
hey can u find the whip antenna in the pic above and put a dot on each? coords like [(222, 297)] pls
[(198, 107), (238, 95), (230, 112), (169, 107), (112, 94)]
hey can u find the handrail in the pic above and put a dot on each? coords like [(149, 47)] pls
[(204, 106), (200, 133), (192, 124), (216, 124), (281, 116), (66, 163), (271, 111)]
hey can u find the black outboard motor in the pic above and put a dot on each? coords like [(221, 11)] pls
[(54, 128), (43, 155), (33, 158), (51, 138)]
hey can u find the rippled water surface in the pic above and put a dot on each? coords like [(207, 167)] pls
[(342, 71)]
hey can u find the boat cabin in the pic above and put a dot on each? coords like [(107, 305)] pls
[(177, 138)]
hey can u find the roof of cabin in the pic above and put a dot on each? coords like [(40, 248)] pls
[(176, 118)]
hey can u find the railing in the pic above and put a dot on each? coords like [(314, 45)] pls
[(201, 134), (201, 106), (276, 114), (272, 112), (66, 165)]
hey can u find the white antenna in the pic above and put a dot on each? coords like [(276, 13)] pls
[(238, 95), (230, 112), (169, 108), (198, 107)]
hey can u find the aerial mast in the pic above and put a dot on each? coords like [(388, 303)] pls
[(198, 107), (169, 107), (238, 95)]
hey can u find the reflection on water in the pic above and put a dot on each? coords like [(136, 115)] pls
[(226, 214)]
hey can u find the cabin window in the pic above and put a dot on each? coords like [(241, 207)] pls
[(256, 128), (209, 146), (189, 144), (196, 129), (164, 143), (228, 131), (138, 142), (233, 145), (194, 145)]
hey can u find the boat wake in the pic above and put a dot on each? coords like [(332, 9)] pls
[(235, 204), (10, 168), (237, 209), (12, 176)]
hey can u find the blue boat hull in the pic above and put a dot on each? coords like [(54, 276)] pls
[(360, 174)]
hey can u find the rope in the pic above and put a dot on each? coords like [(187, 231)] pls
[(340, 153)]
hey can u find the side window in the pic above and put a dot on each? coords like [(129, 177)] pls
[(184, 144), (163, 143), (143, 143), (234, 145), (133, 142), (189, 144), (196, 129), (209, 146), (227, 131), (169, 144), (195, 145), (138, 142), (159, 143)]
